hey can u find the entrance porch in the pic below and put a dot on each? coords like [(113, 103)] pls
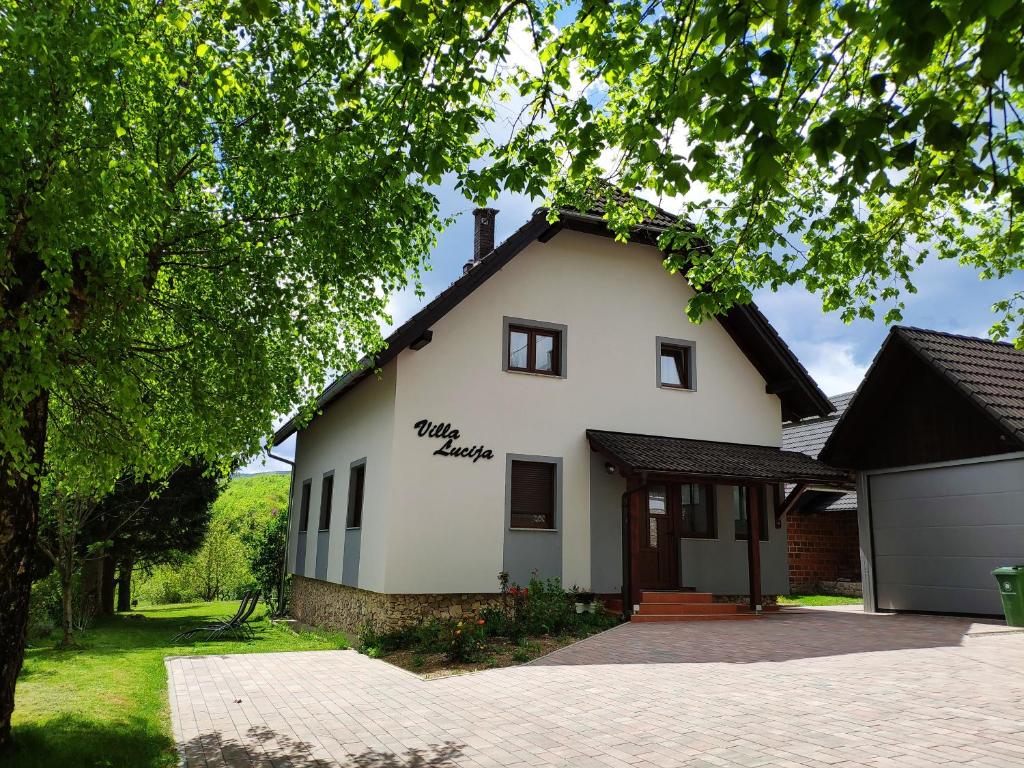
[(702, 522)]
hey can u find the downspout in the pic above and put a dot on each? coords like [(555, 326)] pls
[(627, 549), (288, 532)]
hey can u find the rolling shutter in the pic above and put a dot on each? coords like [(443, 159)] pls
[(533, 494)]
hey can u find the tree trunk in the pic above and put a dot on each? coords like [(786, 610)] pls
[(19, 526), (67, 617), (124, 586), (107, 582)]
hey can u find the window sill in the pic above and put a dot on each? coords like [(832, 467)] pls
[(534, 530), (353, 528), (536, 374), (699, 538), (323, 530), (674, 388)]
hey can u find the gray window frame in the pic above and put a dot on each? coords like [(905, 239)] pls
[(563, 343), (348, 496), (661, 341), (557, 461), (330, 512), (304, 513)]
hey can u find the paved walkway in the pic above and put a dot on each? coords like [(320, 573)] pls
[(825, 688)]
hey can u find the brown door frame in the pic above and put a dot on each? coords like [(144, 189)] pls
[(634, 530)]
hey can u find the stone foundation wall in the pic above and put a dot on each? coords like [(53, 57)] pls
[(338, 607), (843, 588), (823, 546), (745, 599)]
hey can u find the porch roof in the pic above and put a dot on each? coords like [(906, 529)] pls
[(654, 454)]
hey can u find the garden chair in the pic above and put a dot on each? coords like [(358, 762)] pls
[(233, 624), (238, 626)]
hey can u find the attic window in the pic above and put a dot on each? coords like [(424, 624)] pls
[(675, 364), (533, 347)]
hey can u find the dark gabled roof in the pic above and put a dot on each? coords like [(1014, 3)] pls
[(809, 435), (706, 458), (982, 398), (747, 326), (991, 373)]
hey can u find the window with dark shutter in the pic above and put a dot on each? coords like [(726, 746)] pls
[(307, 487), (532, 495), (326, 497), (356, 481)]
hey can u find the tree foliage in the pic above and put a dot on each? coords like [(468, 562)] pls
[(206, 204), (830, 144), (242, 549), (151, 522)]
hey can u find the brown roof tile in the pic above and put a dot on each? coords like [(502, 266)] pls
[(677, 455), (989, 372)]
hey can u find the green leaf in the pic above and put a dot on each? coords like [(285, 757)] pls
[(997, 56), (202, 50), (772, 64)]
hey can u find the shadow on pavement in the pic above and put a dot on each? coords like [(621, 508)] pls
[(264, 746)]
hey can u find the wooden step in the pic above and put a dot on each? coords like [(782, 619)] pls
[(676, 597), (664, 609), (695, 617)]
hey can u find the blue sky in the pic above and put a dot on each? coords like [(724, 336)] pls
[(949, 298)]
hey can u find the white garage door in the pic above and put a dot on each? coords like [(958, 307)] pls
[(938, 533)]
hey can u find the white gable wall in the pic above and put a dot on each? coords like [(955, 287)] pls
[(446, 533)]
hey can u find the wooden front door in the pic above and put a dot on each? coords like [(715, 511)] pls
[(655, 545)]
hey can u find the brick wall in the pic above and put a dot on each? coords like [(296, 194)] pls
[(823, 546)]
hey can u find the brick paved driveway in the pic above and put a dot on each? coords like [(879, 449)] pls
[(826, 688)]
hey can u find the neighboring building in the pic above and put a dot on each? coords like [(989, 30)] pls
[(515, 417), (824, 548), (936, 432)]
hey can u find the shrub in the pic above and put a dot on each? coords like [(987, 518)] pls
[(466, 640), (44, 607), (546, 609)]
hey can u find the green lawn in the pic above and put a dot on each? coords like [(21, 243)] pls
[(105, 704), (818, 600)]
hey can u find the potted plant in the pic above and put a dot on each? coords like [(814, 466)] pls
[(584, 599)]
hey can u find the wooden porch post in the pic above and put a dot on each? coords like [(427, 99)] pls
[(754, 513)]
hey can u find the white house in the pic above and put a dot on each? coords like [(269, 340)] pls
[(555, 411)]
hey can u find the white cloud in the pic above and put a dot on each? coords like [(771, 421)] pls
[(833, 365)]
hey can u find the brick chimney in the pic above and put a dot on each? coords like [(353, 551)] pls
[(483, 232)]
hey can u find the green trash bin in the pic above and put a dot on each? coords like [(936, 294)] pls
[(1011, 589)]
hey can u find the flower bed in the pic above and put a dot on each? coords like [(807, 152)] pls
[(531, 621)]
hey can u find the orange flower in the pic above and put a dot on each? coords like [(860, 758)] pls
[(480, 621)]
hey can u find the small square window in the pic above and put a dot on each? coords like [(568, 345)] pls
[(532, 494), (534, 348), (356, 485), (675, 365)]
